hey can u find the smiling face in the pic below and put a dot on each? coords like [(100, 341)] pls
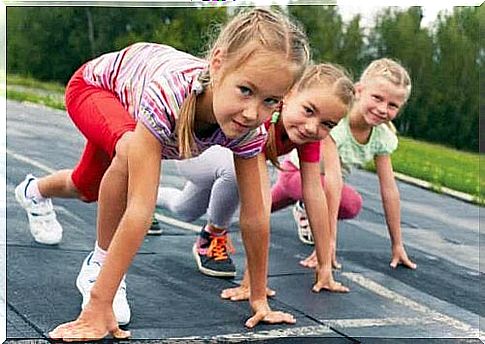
[(379, 100), (244, 97), (309, 115)]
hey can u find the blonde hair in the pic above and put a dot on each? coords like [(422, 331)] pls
[(392, 71), (329, 76), (247, 32)]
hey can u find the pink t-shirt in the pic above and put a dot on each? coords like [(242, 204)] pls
[(152, 81)]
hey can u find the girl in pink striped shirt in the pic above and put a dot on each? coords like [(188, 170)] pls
[(149, 102)]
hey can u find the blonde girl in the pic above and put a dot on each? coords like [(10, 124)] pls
[(366, 133), (149, 102), (314, 105)]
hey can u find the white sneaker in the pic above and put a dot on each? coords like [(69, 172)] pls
[(42, 219), (301, 219), (85, 281)]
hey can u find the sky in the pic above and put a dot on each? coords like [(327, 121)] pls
[(430, 11), (368, 8)]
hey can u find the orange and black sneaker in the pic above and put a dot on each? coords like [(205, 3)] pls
[(211, 252)]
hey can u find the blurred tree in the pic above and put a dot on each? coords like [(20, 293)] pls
[(49, 43), (444, 61), (398, 34), (458, 60), (323, 25)]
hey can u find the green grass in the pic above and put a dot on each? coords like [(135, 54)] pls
[(53, 101), (34, 84), (437, 164), (442, 166)]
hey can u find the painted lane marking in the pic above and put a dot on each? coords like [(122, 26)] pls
[(30, 161), (357, 323), (463, 255), (184, 225), (317, 330), (45, 168), (431, 314), (320, 329)]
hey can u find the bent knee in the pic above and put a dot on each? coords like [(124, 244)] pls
[(350, 205), (122, 146), (120, 158)]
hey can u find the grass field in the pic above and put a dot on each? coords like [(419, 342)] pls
[(440, 165), (437, 164)]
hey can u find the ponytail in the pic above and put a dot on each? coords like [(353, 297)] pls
[(271, 151), (185, 127), (186, 122)]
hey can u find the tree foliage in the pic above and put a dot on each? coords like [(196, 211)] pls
[(444, 60)]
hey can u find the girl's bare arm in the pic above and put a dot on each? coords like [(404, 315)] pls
[(318, 216), (97, 318), (392, 209), (333, 182), (255, 197)]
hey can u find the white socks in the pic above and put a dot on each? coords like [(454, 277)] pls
[(32, 191), (99, 254)]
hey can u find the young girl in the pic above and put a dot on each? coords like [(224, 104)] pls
[(314, 105), (366, 133), (150, 101)]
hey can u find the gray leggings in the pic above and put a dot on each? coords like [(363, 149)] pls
[(211, 187)]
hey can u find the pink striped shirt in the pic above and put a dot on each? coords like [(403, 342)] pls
[(151, 81)]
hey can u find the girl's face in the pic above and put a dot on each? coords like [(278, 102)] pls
[(378, 100), (310, 114), (243, 98)]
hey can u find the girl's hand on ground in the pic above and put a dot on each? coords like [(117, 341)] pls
[(312, 262), (324, 280), (242, 293), (399, 257), (90, 325), (262, 313)]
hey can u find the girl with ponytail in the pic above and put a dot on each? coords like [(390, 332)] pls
[(149, 102), (365, 134), (312, 107)]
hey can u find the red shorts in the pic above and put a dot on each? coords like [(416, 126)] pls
[(102, 119)]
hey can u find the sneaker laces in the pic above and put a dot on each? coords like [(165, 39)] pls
[(219, 247), (42, 208)]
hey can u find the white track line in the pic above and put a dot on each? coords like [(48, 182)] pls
[(317, 330), (291, 331), (178, 223), (163, 218), (429, 313), (320, 329), (30, 161), (357, 323)]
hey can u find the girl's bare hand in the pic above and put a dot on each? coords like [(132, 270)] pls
[(312, 262), (324, 280), (92, 324), (262, 313), (400, 257), (242, 293)]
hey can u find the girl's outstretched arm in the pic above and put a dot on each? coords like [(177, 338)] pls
[(318, 216), (392, 209), (333, 189), (330, 165), (254, 194), (97, 319)]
